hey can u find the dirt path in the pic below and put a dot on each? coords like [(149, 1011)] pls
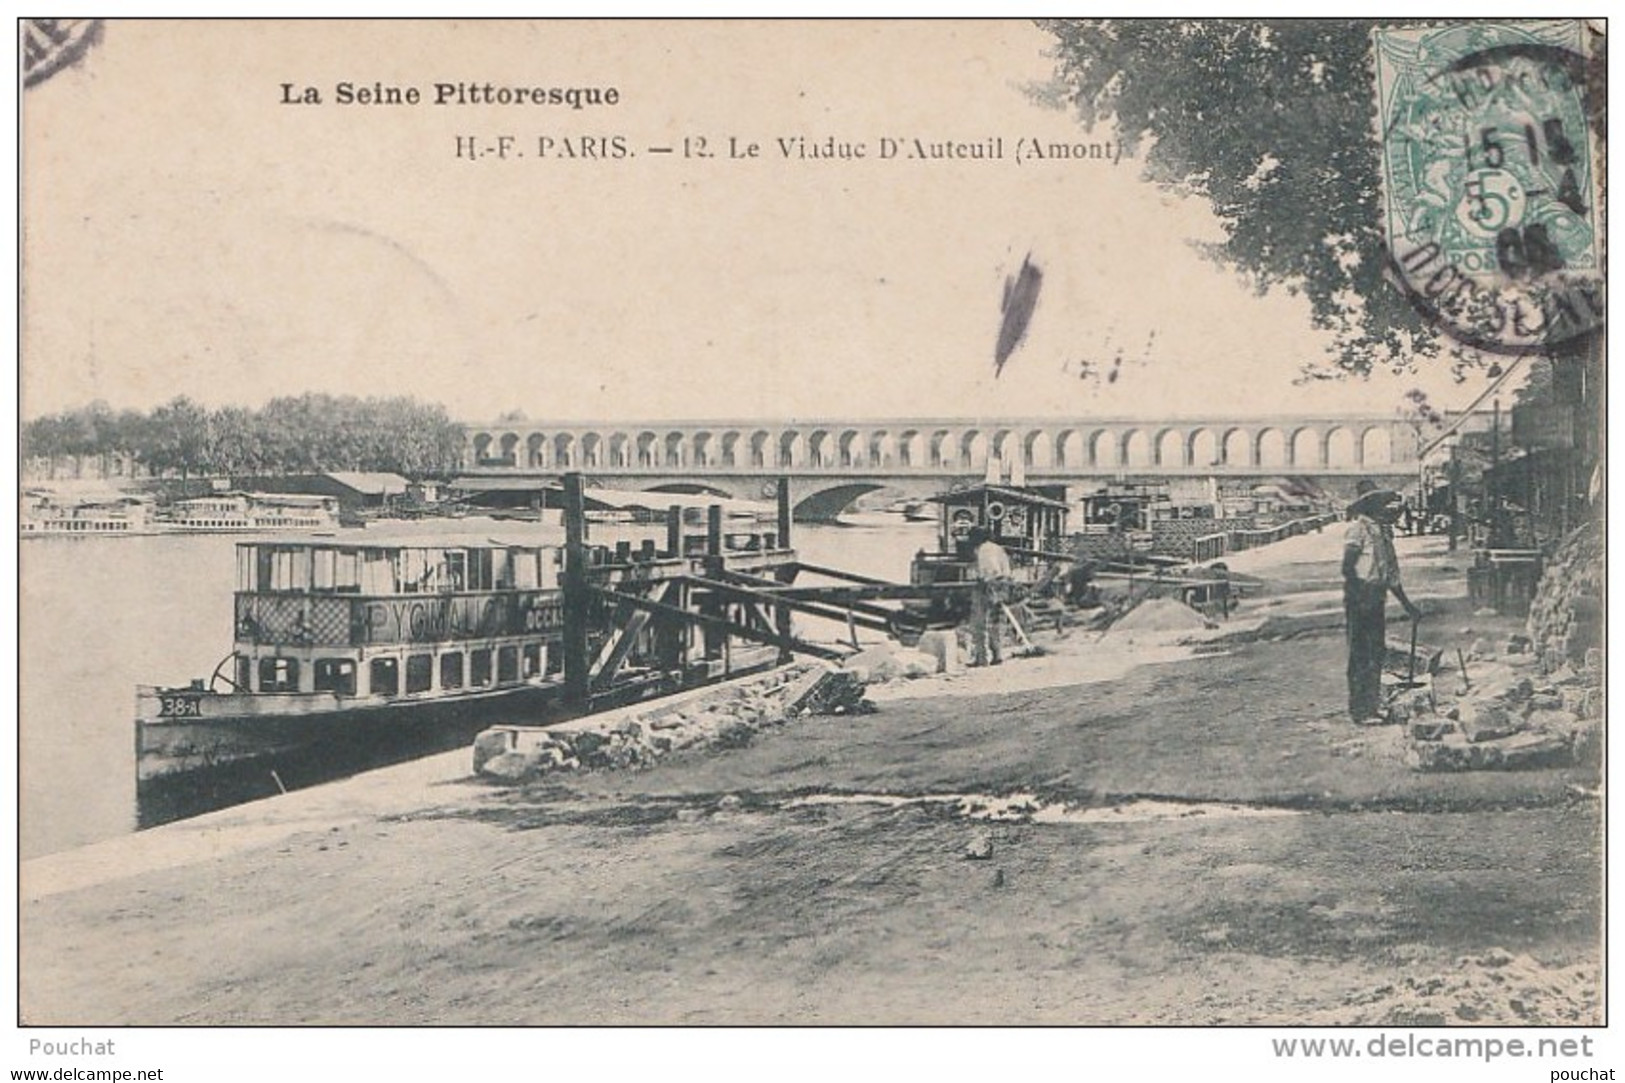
[(1199, 841)]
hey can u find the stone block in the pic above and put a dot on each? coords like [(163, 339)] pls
[(944, 647), (1431, 728), (490, 744), (1487, 720), (509, 766), (833, 691)]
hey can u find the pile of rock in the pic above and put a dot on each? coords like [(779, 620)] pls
[(722, 716), (1565, 617), (1505, 713)]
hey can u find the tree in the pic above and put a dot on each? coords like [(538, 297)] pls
[(1271, 122)]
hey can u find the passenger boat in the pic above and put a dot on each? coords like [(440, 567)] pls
[(330, 633), (245, 513), (44, 514), (1029, 522)]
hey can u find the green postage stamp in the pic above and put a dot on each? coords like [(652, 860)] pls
[(1490, 198)]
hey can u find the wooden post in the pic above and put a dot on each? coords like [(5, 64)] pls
[(577, 664), (783, 619), (713, 530), (784, 513), (674, 531)]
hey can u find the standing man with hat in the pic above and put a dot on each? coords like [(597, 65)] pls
[(1370, 572), (993, 578)]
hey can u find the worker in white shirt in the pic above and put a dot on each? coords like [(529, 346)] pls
[(988, 598)]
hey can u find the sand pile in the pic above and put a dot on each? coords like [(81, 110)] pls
[(1161, 615)]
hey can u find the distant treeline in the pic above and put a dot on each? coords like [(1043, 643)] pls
[(290, 435)]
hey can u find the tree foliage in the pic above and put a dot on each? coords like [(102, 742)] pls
[(293, 434), (1272, 122)]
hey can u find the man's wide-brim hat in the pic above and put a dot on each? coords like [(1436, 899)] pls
[(1373, 499)]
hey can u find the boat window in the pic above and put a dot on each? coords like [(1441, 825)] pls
[(479, 569), (549, 566), (335, 675), (479, 668), (456, 569), (245, 673), (324, 569), (507, 664), (451, 670), (385, 676), (525, 571), (533, 661), (245, 567), (419, 673), (377, 572), (416, 571), (279, 675)]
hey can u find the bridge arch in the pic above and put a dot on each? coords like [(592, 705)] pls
[(1271, 445), (536, 451), (882, 448), (973, 450), (1170, 448), (1306, 447), (728, 449), (564, 448), (911, 449), (849, 450), (1238, 448), (688, 488), (482, 447), (592, 450), (1003, 446), (1376, 446), (826, 505), (792, 448), (508, 447), (820, 448), (1341, 447), (1136, 448), (760, 441), (1105, 449), (939, 453), (1038, 449), (1203, 448), (701, 452)]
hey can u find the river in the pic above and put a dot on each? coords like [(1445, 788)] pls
[(97, 616)]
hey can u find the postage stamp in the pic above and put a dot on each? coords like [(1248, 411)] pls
[(1490, 200)]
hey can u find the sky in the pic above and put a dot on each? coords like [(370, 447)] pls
[(186, 232)]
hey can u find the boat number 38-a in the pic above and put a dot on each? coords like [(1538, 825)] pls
[(179, 707)]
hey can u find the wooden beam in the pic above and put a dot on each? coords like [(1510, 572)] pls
[(773, 639)]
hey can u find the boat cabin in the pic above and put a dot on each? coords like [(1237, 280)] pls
[(402, 620), (1026, 518), (1028, 522)]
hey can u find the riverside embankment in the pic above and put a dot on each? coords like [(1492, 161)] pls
[(1125, 830)]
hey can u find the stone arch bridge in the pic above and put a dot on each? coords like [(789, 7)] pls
[(831, 463)]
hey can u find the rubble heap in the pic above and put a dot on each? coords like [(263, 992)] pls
[(724, 716), (1506, 711), (1565, 617)]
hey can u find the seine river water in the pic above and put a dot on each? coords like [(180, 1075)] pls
[(100, 615)]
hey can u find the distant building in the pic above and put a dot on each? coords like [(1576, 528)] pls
[(355, 490)]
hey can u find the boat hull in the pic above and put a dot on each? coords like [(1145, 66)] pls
[(179, 732)]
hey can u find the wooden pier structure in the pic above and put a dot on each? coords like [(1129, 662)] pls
[(645, 622)]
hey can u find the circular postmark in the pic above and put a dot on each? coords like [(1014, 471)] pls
[(1489, 183), (49, 45)]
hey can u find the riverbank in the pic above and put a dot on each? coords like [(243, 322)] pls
[(1083, 838)]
